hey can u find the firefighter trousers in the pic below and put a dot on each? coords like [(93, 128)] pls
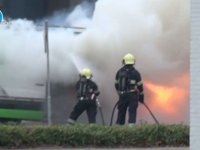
[(81, 106), (130, 101)]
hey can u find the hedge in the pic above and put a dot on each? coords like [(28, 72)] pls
[(83, 135)]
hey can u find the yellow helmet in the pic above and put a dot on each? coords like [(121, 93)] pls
[(86, 72), (129, 59)]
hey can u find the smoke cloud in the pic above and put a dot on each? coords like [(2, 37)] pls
[(155, 31)]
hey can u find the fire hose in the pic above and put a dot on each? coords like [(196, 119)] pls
[(100, 110), (111, 120), (151, 113), (146, 106)]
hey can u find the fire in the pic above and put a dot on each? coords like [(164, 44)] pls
[(165, 97), (163, 94)]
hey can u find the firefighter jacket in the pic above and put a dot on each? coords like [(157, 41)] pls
[(86, 89), (128, 79)]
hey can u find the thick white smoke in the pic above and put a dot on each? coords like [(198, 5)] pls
[(155, 31)]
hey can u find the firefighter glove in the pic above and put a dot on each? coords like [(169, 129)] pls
[(97, 93), (141, 98)]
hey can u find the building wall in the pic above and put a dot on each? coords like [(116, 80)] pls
[(34, 9), (30, 9), (1, 4), (195, 76), (52, 5)]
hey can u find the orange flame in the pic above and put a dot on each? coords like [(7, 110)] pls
[(164, 97)]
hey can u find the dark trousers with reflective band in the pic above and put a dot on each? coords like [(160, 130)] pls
[(81, 106), (130, 101)]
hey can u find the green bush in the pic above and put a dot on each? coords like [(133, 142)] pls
[(94, 136)]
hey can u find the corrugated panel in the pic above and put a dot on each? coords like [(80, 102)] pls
[(195, 76)]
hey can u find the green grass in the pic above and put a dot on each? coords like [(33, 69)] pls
[(83, 135)]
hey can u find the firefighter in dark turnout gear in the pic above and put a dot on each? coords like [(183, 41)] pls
[(87, 92), (130, 90)]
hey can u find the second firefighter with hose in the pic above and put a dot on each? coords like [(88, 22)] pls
[(130, 90)]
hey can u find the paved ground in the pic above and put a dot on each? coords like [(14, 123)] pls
[(60, 148)]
